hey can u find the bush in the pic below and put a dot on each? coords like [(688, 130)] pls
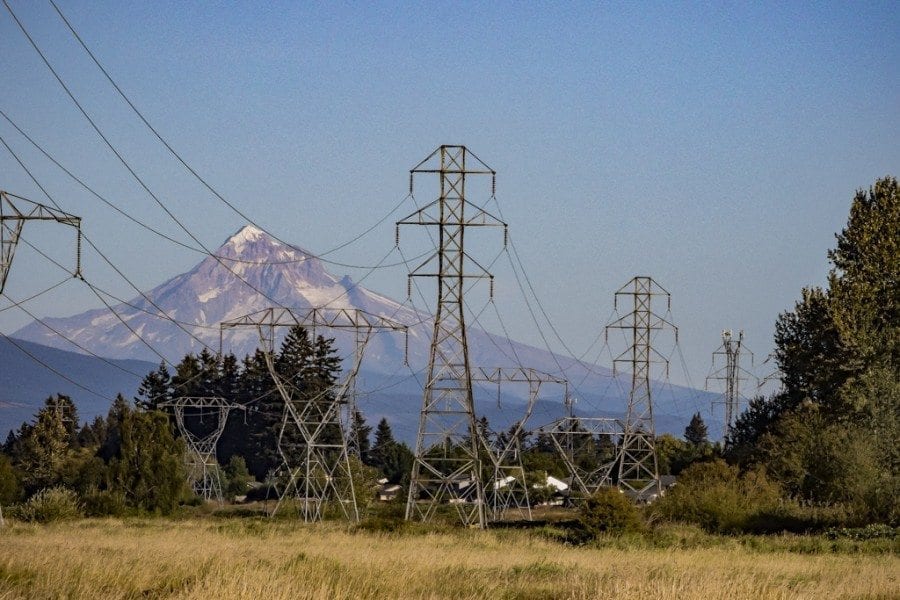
[(716, 497), (50, 504), (104, 504), (609, 511), (238, 481)]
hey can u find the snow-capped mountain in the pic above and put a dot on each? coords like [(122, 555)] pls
[(250, 272), (262, 272)]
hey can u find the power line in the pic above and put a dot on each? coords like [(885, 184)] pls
[(190, 169), (52, 369), (21, 306)]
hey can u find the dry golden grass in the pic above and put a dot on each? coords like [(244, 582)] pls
[(246, 558)]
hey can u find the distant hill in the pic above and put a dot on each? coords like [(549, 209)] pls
[(25, 383)]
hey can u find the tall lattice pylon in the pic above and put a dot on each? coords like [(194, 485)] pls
[(200, 459), (638, 464), (14, 212), (728, 355), (507, 493), (447, 465), (322, 476)]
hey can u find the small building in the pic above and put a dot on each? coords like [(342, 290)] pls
[(389, 491)]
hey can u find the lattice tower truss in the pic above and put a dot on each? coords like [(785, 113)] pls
[(447, 466), (319, 477), (638, 465), (201, 462), (728, 355), (507, 492), (14, 212)]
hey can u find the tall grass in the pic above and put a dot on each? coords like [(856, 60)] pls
[(255, 558)]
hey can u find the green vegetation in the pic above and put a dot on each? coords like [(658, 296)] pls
[(820, 458)]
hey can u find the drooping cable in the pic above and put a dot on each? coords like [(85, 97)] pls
[(187, 166)]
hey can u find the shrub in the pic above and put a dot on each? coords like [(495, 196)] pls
[(715, 496), (50, 504), (609, 511), (104, 504)]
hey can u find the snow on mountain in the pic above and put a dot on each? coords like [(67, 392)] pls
[(263, 272), (186, 310)]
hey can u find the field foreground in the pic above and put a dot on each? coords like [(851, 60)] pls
[(242, 558)]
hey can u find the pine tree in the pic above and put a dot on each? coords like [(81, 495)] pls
[(155, 388), (696, 432), (384, 440)]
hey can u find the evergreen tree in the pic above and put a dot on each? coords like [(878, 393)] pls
[(155, 388), (43, 448), (384, 438), (696, 432)]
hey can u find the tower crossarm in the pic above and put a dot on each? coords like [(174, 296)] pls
[(14, 212)]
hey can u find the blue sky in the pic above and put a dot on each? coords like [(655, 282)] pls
[(714, 146)]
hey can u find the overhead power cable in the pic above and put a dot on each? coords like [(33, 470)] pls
[(52, 369), (40, 148), (101, 254), (188, 167), (125, 163), (21, 306)]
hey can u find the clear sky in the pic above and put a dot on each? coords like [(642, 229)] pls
[(715, 146)]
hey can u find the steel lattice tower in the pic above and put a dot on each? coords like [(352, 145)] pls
[(638, 465), (508, 491), (12, 219), (323, 476), (201, 460), (731, 373), (570, 435), (447, 465)]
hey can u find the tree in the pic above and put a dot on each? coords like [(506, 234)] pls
[(392, 458), (384, 439), (155, 388), (833, 434), (696, 432), (147, 463), (42, 448)]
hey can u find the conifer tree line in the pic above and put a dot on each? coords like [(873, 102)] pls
[(830, 437)]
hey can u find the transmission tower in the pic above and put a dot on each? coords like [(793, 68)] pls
[(201, 460), (731, 373), (580, 441), (638, 465), (508, 491), (447, 464), (14, 211), (322, 476)]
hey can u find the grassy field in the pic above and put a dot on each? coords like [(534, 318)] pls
[(234, 557)]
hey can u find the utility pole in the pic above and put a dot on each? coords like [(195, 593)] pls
[(322, 476), (731, 373), (14, 212), (447, 464), (201, 460), (638, 464)]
